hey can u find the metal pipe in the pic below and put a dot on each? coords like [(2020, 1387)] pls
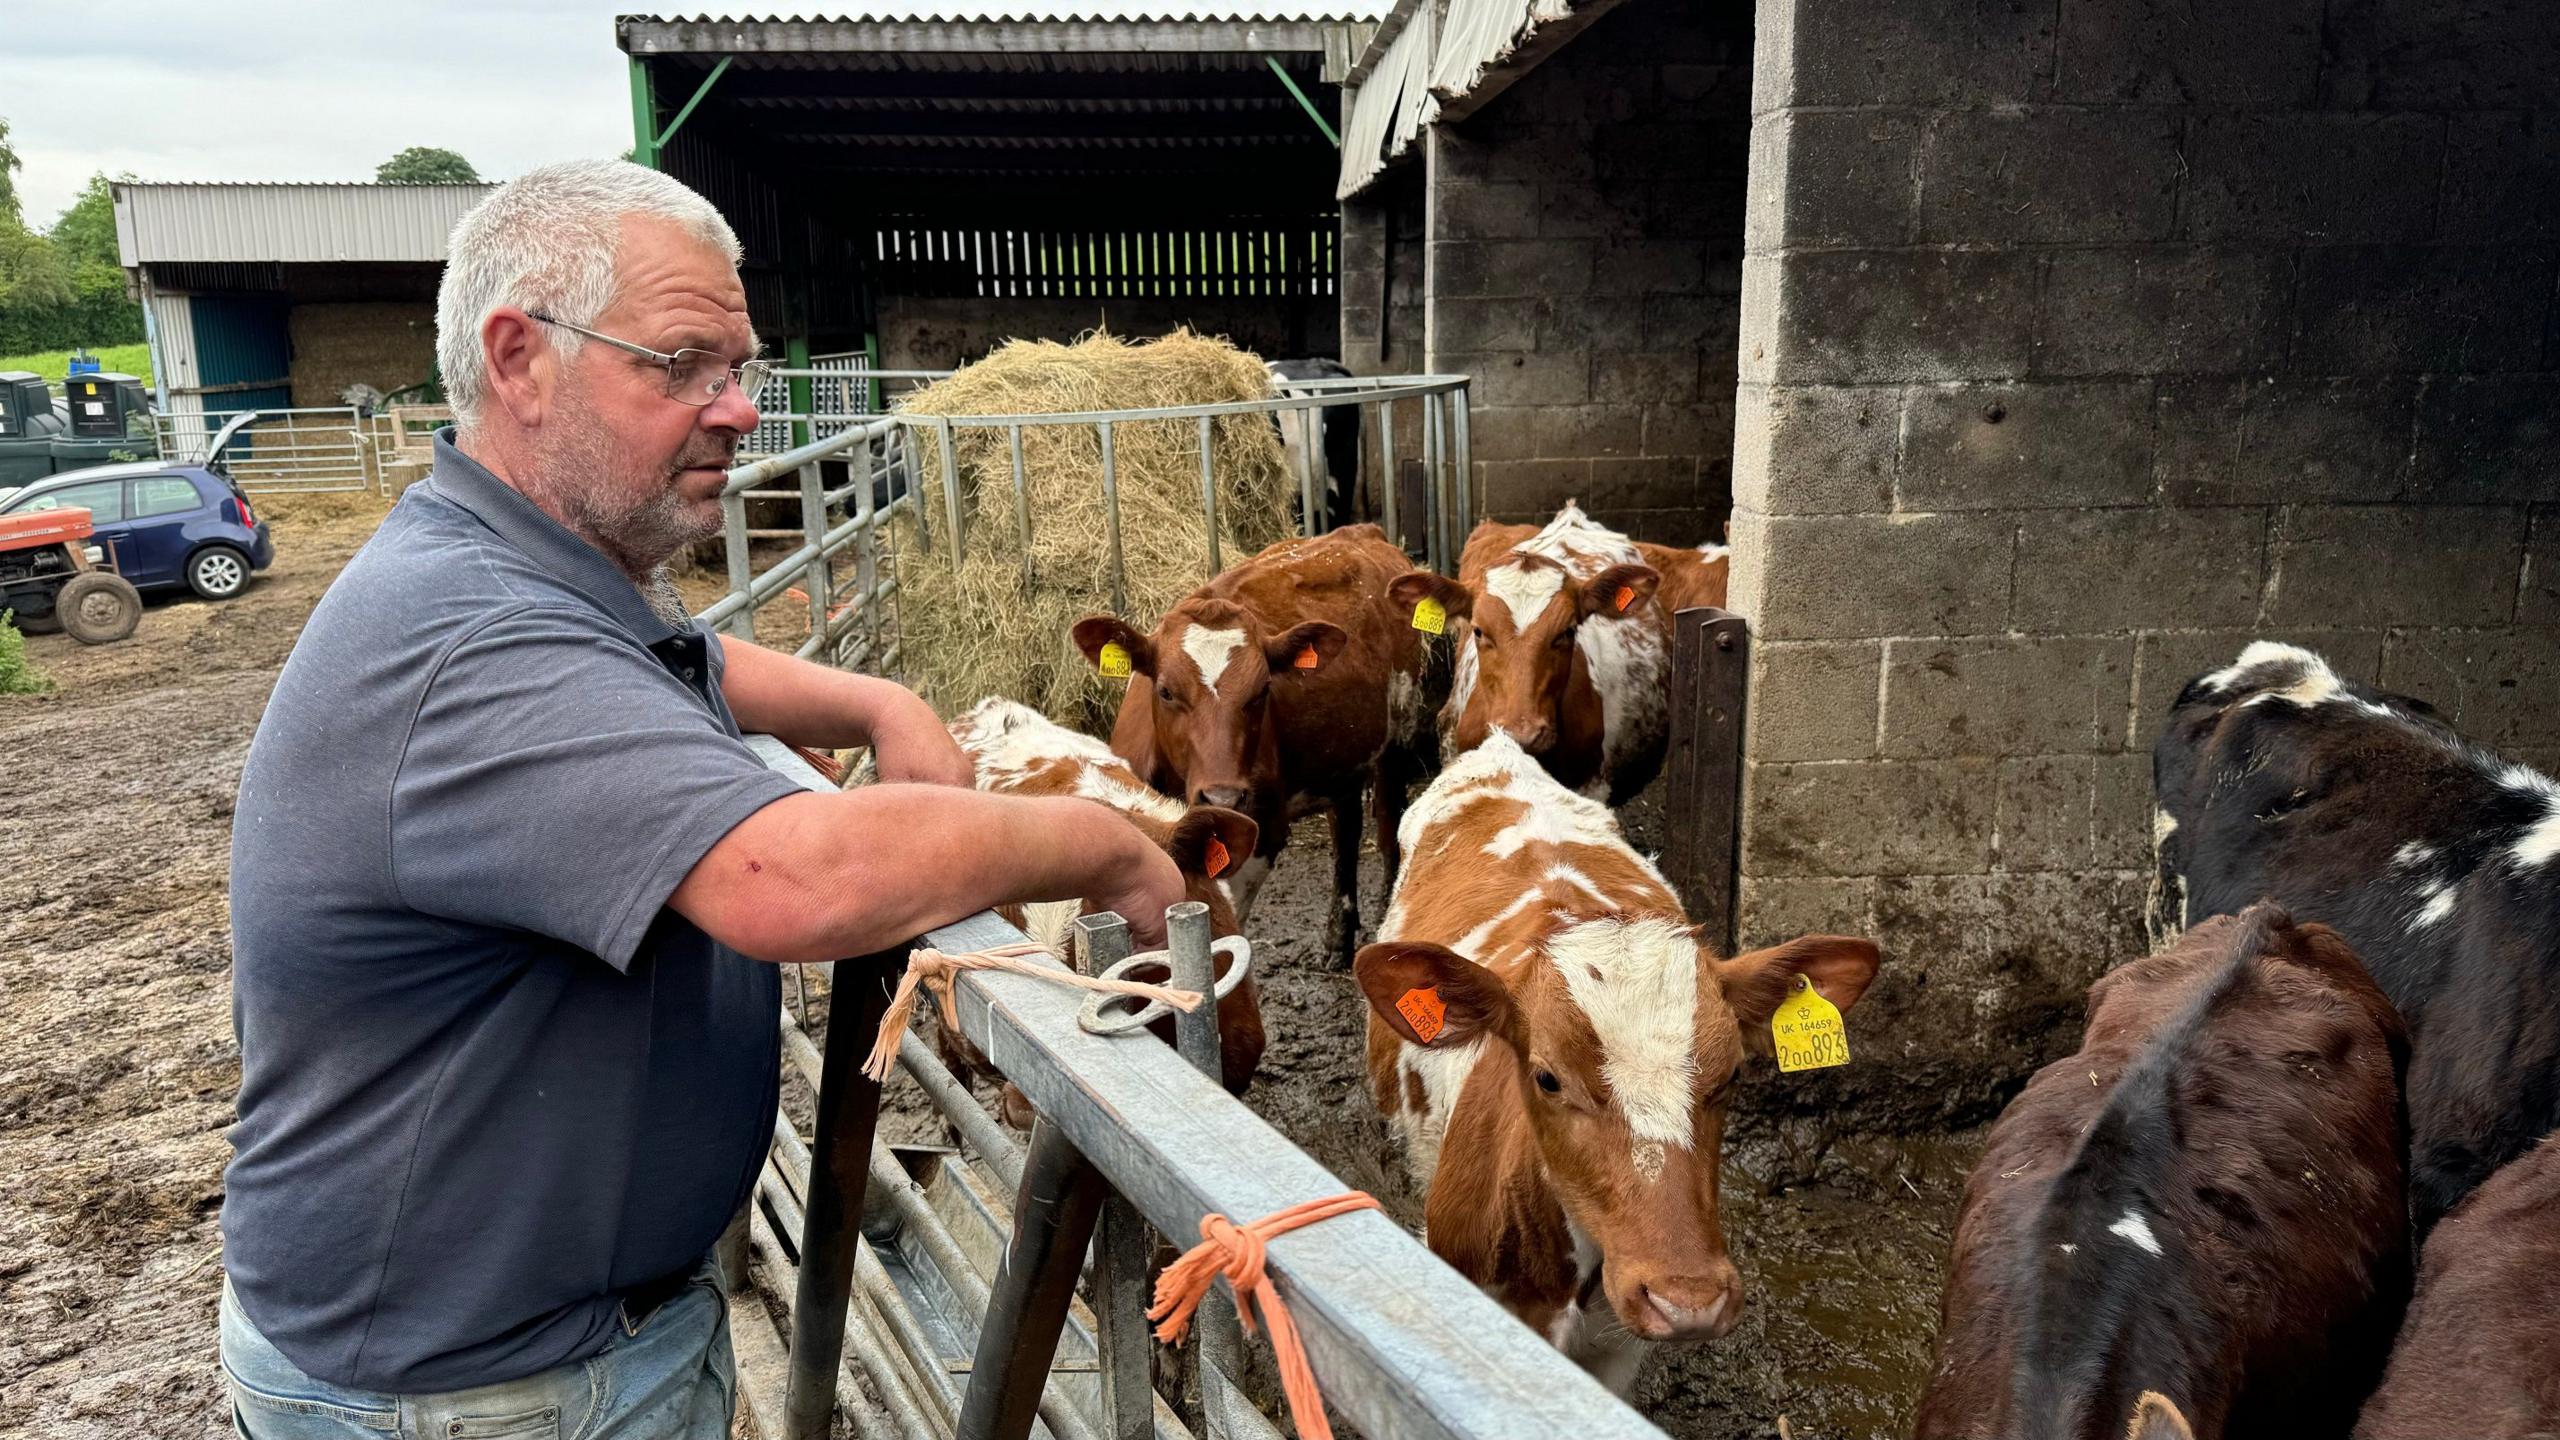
[(1209, 491), (1463, 484), (951, 492), (1053, 1217), (848, 1113), (869, 1420), (733, 518), (1387, 486), (1438, 503), (1111, 517), (962, 1109), (1021, 506), (1195, 1035), (813, 523)]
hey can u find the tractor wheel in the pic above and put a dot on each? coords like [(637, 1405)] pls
[(97, 607)]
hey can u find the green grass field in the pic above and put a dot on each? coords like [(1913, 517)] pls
[(132, 360)]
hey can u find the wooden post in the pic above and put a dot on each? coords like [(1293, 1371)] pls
[(1702, 811)]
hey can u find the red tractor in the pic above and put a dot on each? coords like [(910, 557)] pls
[(46, 574)]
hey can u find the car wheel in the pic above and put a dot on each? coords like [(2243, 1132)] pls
[(97, 607), (218, 572)]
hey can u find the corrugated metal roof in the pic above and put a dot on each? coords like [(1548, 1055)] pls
[(299, 223), (1006, 12)]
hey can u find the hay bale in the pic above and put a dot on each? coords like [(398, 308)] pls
[(978, 631)]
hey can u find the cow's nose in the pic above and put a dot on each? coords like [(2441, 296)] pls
[(1684, 1307), (1534, 736), (1227, 797)]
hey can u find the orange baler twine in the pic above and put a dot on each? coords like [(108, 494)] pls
[(1236, 1251)]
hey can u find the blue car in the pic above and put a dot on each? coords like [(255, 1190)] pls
[(161, 526)]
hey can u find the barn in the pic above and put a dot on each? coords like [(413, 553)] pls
[(2040, 356)]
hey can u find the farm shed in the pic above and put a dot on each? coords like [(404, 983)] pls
[(2055, 350), (275, 295), (922, 181)]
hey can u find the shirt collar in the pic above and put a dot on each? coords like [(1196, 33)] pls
[(545, 541)]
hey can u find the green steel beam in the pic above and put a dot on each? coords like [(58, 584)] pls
[(1303, 102), (644, 116), (698, 92)]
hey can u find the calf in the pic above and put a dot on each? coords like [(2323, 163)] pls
[(1019, 751), (1284, 684), (2480, 1353), (1561, 643), (2436, 860), (1691, 579), (1335, 459), (1556, 1050), (2206, 1202)]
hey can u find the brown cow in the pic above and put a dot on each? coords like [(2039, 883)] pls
[(1563, 642), (2206, 1202), (1019, 751), (2479, 1355), (1692, 578), (1556, 1049), (1286, 683)]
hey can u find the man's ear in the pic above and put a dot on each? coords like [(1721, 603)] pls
[(1212, 841), (520, 363), (1619, 589), (1840, 967), (1415, 586), (1303, 648), (1432, 995), (1095, 631)]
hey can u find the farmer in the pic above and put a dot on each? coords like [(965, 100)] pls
[(509, 895)]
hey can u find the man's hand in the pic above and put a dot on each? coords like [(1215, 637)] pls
[(911, 745), (1143, 890)]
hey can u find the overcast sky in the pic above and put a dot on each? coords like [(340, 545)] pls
[(306, 90)]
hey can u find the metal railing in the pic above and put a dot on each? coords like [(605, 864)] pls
[(844, 568), (286, 451), (894, 1278)]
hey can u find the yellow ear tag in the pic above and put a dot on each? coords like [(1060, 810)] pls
[(1113, 662), (1808, 1031), (1430, 616)]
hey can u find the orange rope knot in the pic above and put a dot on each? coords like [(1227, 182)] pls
[(936, 971), (1237, 1252)]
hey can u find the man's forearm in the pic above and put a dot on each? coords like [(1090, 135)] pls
[(803, 703)]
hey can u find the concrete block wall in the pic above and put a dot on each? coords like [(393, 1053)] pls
[(1584, 264), (2083, 342), (384, 344)]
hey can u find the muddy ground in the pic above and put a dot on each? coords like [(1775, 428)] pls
[(118, 1080)]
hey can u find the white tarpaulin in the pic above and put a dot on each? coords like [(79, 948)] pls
[(1390, 104)]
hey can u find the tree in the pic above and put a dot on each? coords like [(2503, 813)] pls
[(426, 165), (9, 166), (86, 233)]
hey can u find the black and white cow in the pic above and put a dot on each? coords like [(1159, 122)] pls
[(1337, 444), (2438, 861)]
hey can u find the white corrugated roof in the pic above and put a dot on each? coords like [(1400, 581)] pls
[(999, 12), (296, 223)]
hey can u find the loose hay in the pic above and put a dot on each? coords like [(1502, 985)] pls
[(978, 631)]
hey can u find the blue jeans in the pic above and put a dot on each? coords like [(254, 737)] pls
[(668, 1377)]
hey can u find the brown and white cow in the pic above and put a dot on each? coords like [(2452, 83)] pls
[(2204, 1203), (1285, 684), (1563, 642), (2479, 1355), (1556, 1049), (1019, 751)]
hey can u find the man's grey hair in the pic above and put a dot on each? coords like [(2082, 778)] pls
[(547, 242)]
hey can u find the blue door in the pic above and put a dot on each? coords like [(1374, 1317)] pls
[(157, 517)]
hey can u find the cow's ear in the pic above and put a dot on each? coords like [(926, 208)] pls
[(1432, 995), (1093, 632), (2156, 1417), (1212, 841), (1619, 589), (1840, 967), (1415, 586), (1302, 648)]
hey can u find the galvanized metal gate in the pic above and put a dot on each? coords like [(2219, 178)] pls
[(274, 452)]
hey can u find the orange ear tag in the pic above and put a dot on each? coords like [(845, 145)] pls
[(1307, 659), (1217, 858), (1626, 597), (1423, 1011)]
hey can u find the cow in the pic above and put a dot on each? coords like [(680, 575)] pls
[(1556, 1047), (1335, 460), (2479, 1355), (1562, 642), (2206, 1202), (1693, 577), (1285, 684), (1019, 751), (2439, 862)]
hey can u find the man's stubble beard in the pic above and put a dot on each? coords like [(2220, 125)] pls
[(578, 465)]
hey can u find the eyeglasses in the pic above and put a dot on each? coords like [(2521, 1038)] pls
[(694, 377)]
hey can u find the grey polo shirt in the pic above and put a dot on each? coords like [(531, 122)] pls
[(488, 1080)]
